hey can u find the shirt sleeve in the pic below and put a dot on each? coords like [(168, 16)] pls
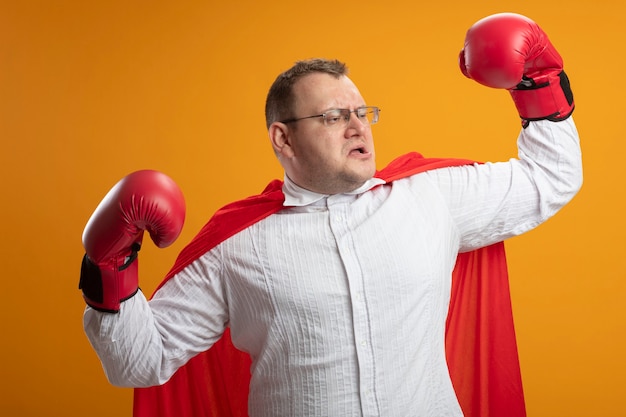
[(147, 341), (491, 202)]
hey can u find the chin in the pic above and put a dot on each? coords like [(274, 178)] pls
[(369, 171)]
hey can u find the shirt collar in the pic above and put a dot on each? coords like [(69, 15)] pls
[(298, 196)]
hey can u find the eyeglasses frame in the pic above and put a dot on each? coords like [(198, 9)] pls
[(374, 109)]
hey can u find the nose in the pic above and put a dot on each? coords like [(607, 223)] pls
[(355, 125)]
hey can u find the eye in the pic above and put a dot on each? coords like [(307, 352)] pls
[(362, 112), (333, 117)]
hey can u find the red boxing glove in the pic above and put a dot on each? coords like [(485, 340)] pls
[(510, 51), (144, 200)]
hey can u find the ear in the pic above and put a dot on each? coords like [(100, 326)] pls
[(280, 137)]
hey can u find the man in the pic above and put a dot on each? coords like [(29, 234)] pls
[(340, 296)]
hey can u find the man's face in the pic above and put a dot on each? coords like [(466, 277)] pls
[(326, 159)]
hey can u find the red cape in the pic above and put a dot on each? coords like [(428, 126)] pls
[(480, 338)]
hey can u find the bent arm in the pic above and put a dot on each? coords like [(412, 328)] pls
[(127, 343), (147, 341), (494, 201)]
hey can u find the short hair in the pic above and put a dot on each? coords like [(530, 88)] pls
[(280, 99)]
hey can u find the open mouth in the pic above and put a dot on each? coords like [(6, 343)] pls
[(359, 150)]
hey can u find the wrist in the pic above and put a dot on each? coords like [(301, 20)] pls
[(540, 98), (105, 286)]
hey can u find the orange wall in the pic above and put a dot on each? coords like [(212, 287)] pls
[(92, 90)]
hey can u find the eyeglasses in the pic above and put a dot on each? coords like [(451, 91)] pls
[(368, 115)]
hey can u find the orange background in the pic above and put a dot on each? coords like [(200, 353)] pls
[(93, 90)]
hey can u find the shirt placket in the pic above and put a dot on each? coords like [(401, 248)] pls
[(340, 226)]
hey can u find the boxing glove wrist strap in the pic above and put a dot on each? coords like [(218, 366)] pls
[(549, 99), (105, 286)]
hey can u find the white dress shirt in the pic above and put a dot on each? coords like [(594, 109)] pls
[(341, 300)]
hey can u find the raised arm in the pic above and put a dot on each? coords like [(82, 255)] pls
[(493, 201), (118, 321)]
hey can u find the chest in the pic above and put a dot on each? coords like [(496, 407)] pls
[(388, 246)]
